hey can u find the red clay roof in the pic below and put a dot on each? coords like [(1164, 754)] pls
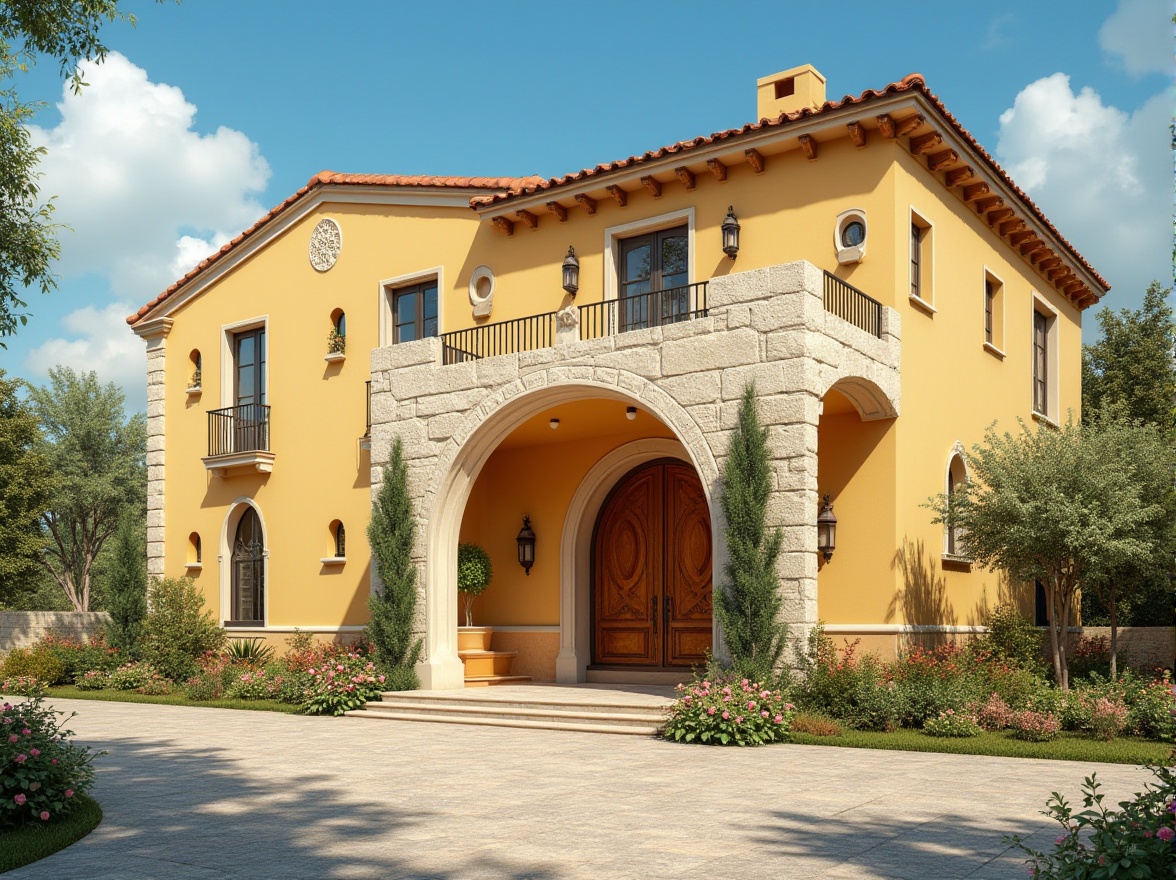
[(911, 82), (508, 188), (333, 178)]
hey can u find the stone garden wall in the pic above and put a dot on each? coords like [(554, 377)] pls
[(18, 629)]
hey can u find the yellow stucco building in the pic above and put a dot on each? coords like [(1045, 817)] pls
[(573, 351)]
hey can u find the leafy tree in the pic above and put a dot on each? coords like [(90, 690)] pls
[(391, 533), (177, 629), (24, 490), (749, 603), (1132, 364), (1131, 370), (97, 457), (67, 31), (1066, 506), (126, 592)]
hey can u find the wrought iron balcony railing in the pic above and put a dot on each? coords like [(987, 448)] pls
[(654, 309), (501, 337), (235, 429), (846, 301)]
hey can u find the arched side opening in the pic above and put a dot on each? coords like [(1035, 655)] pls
[(244, 567), (955, 479)]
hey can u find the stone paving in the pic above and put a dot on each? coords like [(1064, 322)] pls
[(195, 793)]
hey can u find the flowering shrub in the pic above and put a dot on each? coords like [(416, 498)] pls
[(1091, 654), (855, 690), (130, 676), (344, 683), (156, 686), (41, 771), (1034, 726), (78, 657), (1108, 719), (930, 681), (35, 662), (1149, 704), (1134, 841), (254, 685), (728, 711), (23, 686), (994, 714), (94, 680), (203, 687), (952, 723)]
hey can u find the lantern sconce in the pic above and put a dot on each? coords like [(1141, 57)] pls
[(526, 542), (826, 530), (630, 412), (571, 272), (731, 233)]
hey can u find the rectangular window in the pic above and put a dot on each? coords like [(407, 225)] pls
[(414, 312), (993, 314), (653, 287), (1040, 363), (921, 269), (249, 367), (916, 261), (989, 296)]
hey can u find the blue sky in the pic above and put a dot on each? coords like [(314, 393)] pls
[(213, 111)]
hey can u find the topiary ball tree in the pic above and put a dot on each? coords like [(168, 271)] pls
[(473, 576)]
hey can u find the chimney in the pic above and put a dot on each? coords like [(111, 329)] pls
[(789, 91)]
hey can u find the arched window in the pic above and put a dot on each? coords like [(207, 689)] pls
[(957, 477), (196, 364), (248, 572), (194, 554), (340, 541), (337, 339)]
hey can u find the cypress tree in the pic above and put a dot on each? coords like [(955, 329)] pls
[(749, 603), (391, 534), (126, 598)]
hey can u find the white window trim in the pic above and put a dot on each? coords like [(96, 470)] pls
[(225, 557), (997, 345), (1053, 396), (614, 234), (228, 364), (384, 299), (927, 251)]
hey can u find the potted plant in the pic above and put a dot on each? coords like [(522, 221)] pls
[(336, 342), (474, 573)]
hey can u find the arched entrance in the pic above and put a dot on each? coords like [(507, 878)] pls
[(247, 596), (652, 570)]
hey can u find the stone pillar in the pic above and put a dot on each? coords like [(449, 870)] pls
[(154, 333)]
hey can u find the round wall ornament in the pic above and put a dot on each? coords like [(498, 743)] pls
[(325, 243)]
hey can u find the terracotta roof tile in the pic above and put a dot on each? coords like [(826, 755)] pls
[(911, 82), (323, 178)]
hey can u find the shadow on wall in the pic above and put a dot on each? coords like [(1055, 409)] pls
[(1019, 596), (922, 598)]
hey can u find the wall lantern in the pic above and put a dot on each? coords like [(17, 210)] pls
[(526, 542), (571, 272), (730, 233), (826, 530), (630, 412)]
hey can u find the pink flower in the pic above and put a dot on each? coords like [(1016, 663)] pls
[(788, 707), (13, 738), (44, 815), (1062, 839), (1165, 833), (738, 719), (726, 714), (311, 671), (750, 704), (764, 713), (54, 761), (20, 759), (19, 799), (26, 732), (69, 792), (34, 752), (711, 711), (779, 719)]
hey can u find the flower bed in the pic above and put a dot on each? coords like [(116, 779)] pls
[(726, 710)]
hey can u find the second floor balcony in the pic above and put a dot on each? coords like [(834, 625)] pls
[(239, 440)]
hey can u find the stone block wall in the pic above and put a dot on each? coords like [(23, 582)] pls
[(1145, 646), (19, 629)]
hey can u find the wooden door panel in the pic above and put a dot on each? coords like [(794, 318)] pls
[(627, 579), (688, 563)]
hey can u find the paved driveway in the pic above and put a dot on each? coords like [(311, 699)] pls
[(210, 793)]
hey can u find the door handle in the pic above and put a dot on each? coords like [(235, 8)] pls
[(653, 614), (667, 607)]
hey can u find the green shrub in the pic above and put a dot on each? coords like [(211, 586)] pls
[(725, 709), (249, 651), (1012, 637), (156, 686), (952, 724), (94, 680), (929, 682), (254, 684), (130, 676), (24, 686), (126, 587), (402, 678), (840, 684), (874, 700), (41, 771), (1149, 702), (345, 683), (204, 686), (78, 657), (1091, 656), (814, 725), (36, 662), (1134, 841), (178, 631), (474, 573)]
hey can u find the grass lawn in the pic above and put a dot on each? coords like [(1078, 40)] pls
[(1067, 747), (176, 699), (23, 846)]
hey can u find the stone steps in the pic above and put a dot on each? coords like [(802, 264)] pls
[(595, 716)]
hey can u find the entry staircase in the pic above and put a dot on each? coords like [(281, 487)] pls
[(586, 709)]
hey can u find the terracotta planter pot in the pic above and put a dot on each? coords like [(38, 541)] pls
[(474, 638)]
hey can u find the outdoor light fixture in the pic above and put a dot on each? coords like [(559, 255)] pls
[(826, 530), (571, 272), (630, 412), (730, 233), (554, 423), (526, 542)]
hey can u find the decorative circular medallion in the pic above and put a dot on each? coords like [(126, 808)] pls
[(325, 243)]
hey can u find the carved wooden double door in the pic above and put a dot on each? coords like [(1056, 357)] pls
[(652, 570)]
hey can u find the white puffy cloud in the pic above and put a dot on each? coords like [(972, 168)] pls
[(98, 339), (1103, 176), (1139, 32), (142, 190)]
